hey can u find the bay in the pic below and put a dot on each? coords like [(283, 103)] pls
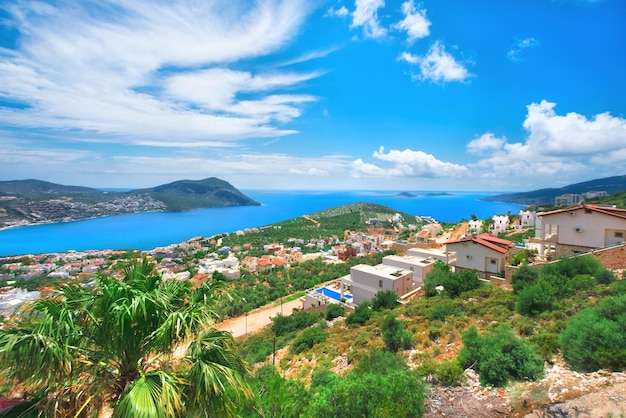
[(146, 231)]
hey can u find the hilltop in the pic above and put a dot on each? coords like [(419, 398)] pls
[(24, 202), (546, 196)]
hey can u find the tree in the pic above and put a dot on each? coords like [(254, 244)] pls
[(522, 277), (142, 345), (395, 335), (596, 338), (500, 357), (385, 299)]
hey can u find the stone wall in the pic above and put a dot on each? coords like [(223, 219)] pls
[(613, 258)]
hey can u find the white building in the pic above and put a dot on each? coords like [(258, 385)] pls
[(420, 266), (437, 254), (475, 226), (580, 229), (365, 281), (527, 218), (500, 224)]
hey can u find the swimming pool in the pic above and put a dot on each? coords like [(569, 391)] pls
[(331, 293)]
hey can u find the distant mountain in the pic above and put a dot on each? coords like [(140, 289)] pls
[(29, 187), (546, 196), (405, 194), (195, 194), (24, 202)]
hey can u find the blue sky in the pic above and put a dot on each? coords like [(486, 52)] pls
[(301, 94)]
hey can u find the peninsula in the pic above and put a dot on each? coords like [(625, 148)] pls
[(25, 202)]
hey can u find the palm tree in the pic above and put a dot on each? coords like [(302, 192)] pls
[(136, 347)]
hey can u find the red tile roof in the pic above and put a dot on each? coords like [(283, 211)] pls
[(620, 213), (497, 244)]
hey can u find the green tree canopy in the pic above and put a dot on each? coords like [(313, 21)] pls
[(142, 346), (596, 338)]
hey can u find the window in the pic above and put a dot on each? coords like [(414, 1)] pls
[(619, 235), (380, 284), (493, 261)]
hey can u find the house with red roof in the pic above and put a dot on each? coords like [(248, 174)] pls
[(486, 254), (579, 229)]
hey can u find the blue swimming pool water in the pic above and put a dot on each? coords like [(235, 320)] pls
[(332, 294)]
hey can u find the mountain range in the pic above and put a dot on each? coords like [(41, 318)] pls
[(546, 196), (34, 201)]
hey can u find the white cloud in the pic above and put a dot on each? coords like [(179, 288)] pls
[(563, 145), (573, 134), (407, 163), (519, 51), (437, 65), (414, 23), (340, 12), (485, 143), (116, 69), (366, 15)]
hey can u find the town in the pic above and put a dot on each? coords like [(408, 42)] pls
[(412, 249)]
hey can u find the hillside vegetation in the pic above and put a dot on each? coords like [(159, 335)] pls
[(505, 336)]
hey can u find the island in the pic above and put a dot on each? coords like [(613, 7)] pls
[(26, 202)]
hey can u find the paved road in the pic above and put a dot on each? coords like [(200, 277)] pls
[(257, 319)]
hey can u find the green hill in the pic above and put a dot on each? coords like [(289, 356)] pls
[(546, 196), (195, 194)]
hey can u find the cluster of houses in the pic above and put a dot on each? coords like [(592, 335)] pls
[(563, 232)]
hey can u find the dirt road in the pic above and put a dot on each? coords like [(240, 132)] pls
[(257, 319)]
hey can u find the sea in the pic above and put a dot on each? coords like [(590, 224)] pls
[(146, 231)]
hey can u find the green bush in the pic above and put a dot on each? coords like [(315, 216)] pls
[(322, 377), (307, 339), (500, 357), (398, 393), (453, 283), (360, 315), (380, 361), (257, 351), (283, 325), (535, 298), (604, 276), (440, 311), (385, 299), (334, 310), (395, 335), (581, 282), (450, 373), (523, 277), (596, 337), (546, 343)]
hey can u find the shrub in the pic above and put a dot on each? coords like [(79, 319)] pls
[(385, 299), (334, 310), (380, 361), (436, 277), (322, 377), (440, 311), (450, 373), (596, 337), (500, 357), (581, 282), (283, 325), (257, 351), (604, 276), (395, 335), (360, 315), (307, 339), (546, 343), (535, 298), (522, 277), (399, 393)]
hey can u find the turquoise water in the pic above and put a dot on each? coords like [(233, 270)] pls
[(145, 231), (331, 293)]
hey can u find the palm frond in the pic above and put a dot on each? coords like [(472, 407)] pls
[(155, 395)]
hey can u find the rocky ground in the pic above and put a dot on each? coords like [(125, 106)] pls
[(562, 393)]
